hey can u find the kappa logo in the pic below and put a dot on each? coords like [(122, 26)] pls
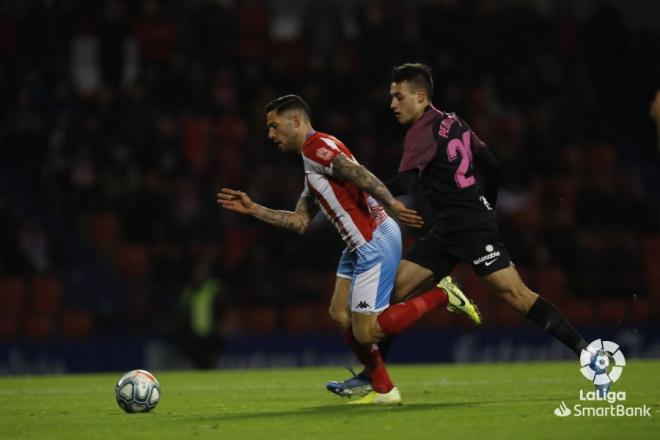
[(363, 305)]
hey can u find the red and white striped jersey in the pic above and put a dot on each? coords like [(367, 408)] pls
[(354, 213)]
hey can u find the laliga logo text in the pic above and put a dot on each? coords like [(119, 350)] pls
[(602, 363)]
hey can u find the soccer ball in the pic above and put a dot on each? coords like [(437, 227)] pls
[(601, 362), (137, 391)]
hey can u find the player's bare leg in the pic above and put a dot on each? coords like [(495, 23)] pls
[(365, 328), (373, 382), (508, 286), (360, 384), (339, 310), (368, 329), (411, 280), (371, 328), (365, 332)]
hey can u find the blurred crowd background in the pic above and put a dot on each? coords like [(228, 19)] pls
[(120, 120)]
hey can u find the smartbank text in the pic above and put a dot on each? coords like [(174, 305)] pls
[(618, 410)]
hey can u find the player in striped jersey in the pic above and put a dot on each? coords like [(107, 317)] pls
[(352, 199)]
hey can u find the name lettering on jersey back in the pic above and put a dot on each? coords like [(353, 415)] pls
[(445, 126)]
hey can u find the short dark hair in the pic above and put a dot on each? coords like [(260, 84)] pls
[(289, 102), (417, 74)]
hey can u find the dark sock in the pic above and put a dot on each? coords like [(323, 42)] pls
[(545, 314)]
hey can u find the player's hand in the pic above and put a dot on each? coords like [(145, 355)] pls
[(235, 200), (408, 217)]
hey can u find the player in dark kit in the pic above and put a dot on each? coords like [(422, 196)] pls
[(440, 155)]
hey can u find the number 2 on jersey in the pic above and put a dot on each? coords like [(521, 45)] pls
[(455, 147)]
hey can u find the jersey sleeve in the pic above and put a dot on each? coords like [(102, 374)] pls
[(419, 147), (319, 154)]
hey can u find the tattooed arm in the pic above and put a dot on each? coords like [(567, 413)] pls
[(297, 221), (344, 169)]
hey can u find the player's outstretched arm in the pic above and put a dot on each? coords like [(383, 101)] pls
[(345, 169), (297, 221), (235, 200)]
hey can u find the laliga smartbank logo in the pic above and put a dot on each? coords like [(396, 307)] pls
[(602, 362)]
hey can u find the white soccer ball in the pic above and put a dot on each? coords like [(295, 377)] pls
[(137, 391)]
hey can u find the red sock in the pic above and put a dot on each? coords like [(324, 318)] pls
[(370, 357), (398, 317)]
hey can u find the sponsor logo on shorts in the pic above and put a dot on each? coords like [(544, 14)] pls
[(362, 305), (490, 257)]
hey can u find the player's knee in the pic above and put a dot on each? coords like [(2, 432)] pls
[(507, 297), (364, 336), (518, 297), (400, 293), (368, 334), (519, 292), (341, 317)]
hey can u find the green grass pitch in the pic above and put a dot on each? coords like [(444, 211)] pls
[(493, 401)]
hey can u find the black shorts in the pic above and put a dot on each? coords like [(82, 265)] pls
[(481, 246)]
